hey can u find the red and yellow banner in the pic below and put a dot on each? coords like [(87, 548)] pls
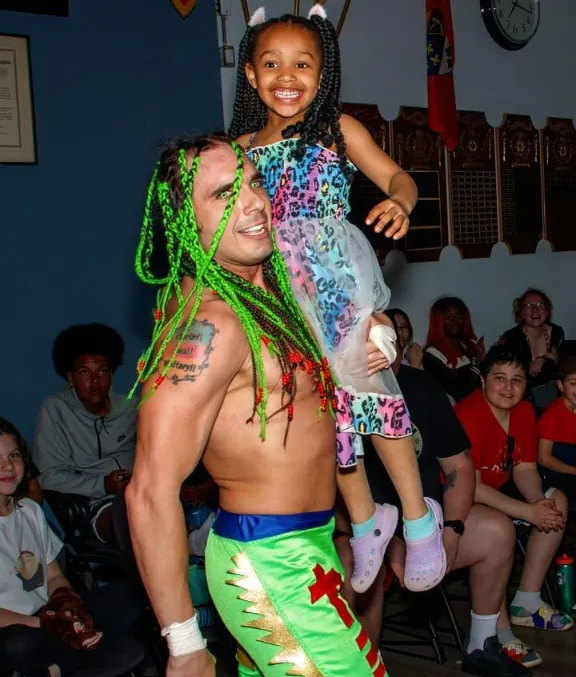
[(184, 7)]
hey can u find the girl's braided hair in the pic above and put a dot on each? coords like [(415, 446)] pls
[(321, 122), (269, 317)]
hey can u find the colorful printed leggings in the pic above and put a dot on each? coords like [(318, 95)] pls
[(276, 580)]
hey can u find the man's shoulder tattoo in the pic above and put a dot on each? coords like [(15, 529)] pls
[(193, 355)]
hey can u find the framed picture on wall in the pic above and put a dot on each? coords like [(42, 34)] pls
[(51, 7), (17, 133)]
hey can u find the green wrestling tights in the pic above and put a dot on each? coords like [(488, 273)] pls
[(275, 581)]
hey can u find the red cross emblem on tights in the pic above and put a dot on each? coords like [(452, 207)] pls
[(329, 584)]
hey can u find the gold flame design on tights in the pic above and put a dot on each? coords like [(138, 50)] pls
[(269, 621)]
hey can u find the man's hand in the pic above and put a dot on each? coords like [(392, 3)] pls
[(544, 515), (197, 664), (117, 480), (376, 359), (389, 212), (451, 543)]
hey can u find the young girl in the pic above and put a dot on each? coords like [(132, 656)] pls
[(287, 118), (44, 626)]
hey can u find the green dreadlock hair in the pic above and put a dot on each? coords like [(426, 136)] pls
[(269, 317)]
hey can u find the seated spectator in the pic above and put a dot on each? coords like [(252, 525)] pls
[(45, 627), (535, 337), (412, 352), (557, 433), (453, 351), (86, 434), (476, 537), (501, 427)]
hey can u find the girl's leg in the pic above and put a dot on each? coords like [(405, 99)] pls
[(399, 459), (372, 525), (355, 490), (423, 518)]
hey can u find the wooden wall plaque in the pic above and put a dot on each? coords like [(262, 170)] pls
[(521, 183), (559, 161), (473, 187)]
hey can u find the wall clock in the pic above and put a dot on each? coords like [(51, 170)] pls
[(512, 23)]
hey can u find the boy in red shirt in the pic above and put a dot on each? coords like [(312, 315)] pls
[(557, 433), (501, 427)]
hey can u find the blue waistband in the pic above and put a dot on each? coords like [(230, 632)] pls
[(247, 528)]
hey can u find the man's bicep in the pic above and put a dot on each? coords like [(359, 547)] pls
[(181, 405), (451, 463)]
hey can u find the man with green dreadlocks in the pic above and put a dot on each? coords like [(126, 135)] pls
[(234, 378)]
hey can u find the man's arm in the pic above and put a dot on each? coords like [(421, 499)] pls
[(528, 481), (56, 578), (496, 499), (459, 486), (546, 460), (174, 427), (54, 459)]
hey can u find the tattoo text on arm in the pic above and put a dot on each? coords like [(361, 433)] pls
[(193, 355)]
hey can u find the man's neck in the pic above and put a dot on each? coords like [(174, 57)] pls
[(501, 415), (99, 410), (571, 408), (253, 274)]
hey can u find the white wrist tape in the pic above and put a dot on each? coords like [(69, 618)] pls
[(184, 638), (384, 338)]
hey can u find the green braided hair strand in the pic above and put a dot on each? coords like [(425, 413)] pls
[(269, 316)]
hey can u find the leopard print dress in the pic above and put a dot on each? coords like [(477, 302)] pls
[(337, 281)]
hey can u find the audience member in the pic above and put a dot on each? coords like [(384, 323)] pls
[(557, 433), (453, 351), (45, 627), (501, 427), (85, 433), (476, 537), (535, 337), (412, 352)]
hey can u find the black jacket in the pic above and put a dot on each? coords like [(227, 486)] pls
[(457, 382), (515, 340)]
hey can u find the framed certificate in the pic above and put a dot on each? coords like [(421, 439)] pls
[(17, 133), (52, 7)]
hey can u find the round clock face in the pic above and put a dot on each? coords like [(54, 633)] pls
[(512, 23)]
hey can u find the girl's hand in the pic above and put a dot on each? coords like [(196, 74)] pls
[(536, 366), (389, 212), (414, 355), (552, 355), (480, 349)]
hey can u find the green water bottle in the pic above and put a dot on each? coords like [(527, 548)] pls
[(565, 579)]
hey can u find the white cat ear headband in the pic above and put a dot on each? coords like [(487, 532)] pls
[(259, 16)]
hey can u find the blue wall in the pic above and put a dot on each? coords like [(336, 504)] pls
[(109, 82)]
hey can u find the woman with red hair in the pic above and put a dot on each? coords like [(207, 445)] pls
[(452, 350)]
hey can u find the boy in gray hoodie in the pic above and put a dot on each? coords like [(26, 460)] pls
[(85, 433)]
